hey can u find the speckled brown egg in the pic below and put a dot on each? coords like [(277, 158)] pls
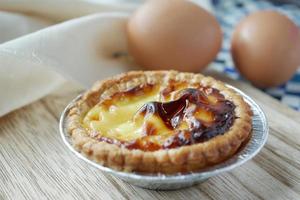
[(266, 48), (173, 34)]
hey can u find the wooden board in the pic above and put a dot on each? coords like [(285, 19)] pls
[(35, 164)]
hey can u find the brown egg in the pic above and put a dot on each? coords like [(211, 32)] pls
[(173, 34), (266, 48)]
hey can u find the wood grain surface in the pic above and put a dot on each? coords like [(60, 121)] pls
[(35, 164)]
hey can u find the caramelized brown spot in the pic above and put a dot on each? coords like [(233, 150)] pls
[(142, 144), (172, 86), (179, 139), (172, 114), (139, 90), (149, 129), (193, 107)]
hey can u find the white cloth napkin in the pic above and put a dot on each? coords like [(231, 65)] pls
[(83, 49)]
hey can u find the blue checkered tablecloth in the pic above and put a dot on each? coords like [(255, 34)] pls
[(229, 13)]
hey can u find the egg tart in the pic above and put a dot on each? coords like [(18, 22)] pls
[(159, 122)]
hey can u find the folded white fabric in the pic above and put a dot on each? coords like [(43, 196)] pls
[(84, 49)]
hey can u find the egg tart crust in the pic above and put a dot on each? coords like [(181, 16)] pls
[(162, 159)]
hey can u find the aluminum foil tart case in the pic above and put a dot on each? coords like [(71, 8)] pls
[(172, 182)]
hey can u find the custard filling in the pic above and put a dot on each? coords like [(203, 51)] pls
[(152, 117)]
